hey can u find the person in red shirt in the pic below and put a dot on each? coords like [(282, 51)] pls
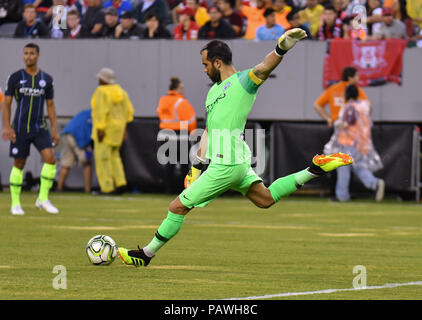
[(187, 29), (231, 15)]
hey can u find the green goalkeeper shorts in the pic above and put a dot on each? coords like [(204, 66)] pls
[(217, 179)]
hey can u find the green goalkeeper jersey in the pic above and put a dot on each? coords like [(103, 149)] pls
[(228, 105)]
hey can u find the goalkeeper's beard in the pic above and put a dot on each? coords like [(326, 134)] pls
[(214, 75)]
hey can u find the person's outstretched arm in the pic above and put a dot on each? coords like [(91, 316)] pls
[(273, 59)]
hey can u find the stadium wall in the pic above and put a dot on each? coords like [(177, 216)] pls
[(144, 68)]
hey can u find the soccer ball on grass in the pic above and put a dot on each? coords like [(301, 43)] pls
[(101, 250)]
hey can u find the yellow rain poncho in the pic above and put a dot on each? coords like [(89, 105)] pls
[(111, 111)]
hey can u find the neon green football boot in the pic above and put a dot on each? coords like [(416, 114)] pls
[(322, 163), (135, 258)]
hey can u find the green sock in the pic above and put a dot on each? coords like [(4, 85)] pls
[(285, 186), (16, 179), (48, 173), (167, 230)]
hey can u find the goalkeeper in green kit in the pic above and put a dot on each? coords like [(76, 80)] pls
[(228, 104)]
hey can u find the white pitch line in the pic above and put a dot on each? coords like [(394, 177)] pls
[(290, 294)]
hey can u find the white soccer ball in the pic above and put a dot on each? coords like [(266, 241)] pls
[(101, 250)]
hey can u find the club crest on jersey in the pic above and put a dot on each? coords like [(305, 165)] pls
[(42, 83)]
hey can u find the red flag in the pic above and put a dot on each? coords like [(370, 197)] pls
[(377, 61)]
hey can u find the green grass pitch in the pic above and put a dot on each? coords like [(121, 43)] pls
[(230, 249)]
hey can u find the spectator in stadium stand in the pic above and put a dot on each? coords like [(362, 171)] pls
[(233, 17), (352, 135), (31, 26), (270, 30), (340, 8), (374, 16), (111, 20), (112, 110), (299, 4), (187, 29), (293, 19), (41, 6), (331, 25), (176, 113), (217, 27), (160, 7), (119, 5), (50, 12), (54, 18), (93, 19), (400, 13), (79, 5), (312, 15), (10, 11), (254, 13), (128, 27), (76, 148), (281, 10), (74, 30), (201, 15), (414, 11), (154, 29), (390, 27), (334, 96)]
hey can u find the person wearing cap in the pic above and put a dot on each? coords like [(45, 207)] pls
[(270, 30), (390, 27), (128, 27), (112, 110), (200, 12), (187, 29), (111, 22), (120, 5)]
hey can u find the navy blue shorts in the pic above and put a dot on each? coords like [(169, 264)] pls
[(40, 139)]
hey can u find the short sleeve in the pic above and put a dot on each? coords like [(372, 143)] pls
[(323, 99), (249, 81), (362, 94), (10, 85), (49, 91)]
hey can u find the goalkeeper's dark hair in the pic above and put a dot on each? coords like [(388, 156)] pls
[(34, 46), (217, 49), (348, 72), (351, 92)]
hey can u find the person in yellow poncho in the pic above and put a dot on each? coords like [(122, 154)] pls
[(111, 111), (414, 11), (312, 15)]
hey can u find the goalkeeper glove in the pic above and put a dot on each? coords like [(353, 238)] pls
[(288, 40), (194, 171)]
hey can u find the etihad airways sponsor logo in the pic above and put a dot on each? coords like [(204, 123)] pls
[(32, 92)]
